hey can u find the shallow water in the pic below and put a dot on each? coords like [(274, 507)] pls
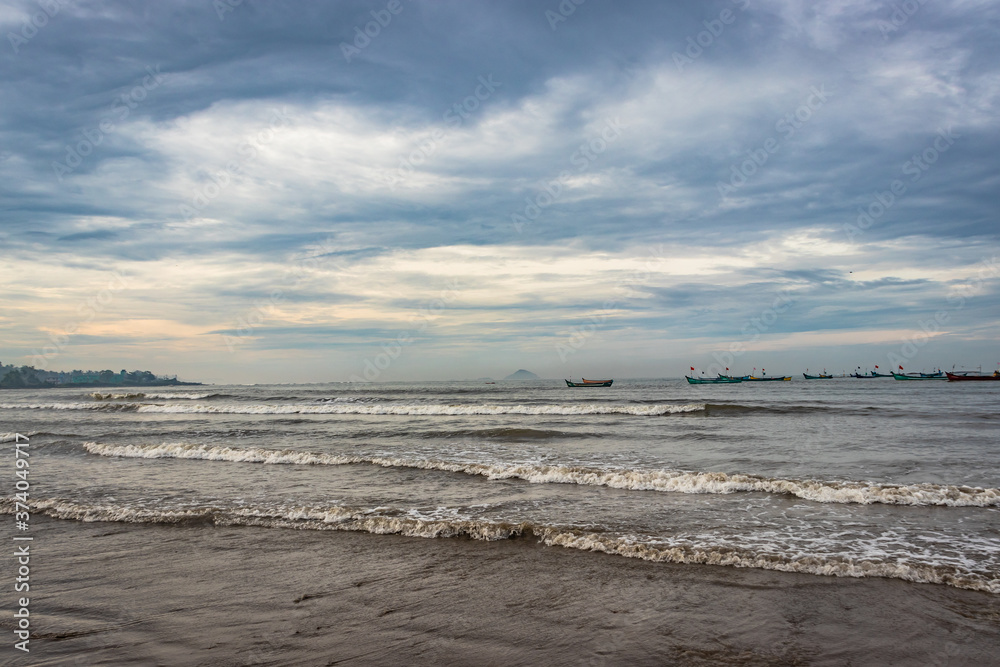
[(845, 477)]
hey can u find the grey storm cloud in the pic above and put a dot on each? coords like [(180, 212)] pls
[(235, 133)]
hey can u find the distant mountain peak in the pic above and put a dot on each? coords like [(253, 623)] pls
[(522, 375)]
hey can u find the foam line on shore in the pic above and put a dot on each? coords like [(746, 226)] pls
[(679, 481), (385, 521)]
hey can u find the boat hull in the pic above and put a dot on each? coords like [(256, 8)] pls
[(719, 380), (784, 378), (605, 383), (918, 377), (952, 377), (817, 377)]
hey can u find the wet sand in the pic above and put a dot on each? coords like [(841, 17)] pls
[(126, 594)]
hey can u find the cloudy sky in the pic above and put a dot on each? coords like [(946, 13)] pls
[(395, 190)]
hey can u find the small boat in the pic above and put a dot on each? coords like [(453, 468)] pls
[(722, 379), (777, 378), (938, 374), (869, 374), (963, 377), (918, 376), (590, 383), (817, 377)]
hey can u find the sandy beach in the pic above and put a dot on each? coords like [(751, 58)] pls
[(125, 594)]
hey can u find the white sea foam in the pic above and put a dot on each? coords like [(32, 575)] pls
[(387, 521), (11, 437), (430, 409), (375, 409), (106, 407), (806, 563), (235, 454), (98, 396), (678, 481)]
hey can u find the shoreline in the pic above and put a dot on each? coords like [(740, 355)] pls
[(113, 593)]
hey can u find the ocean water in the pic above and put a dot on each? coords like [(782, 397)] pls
[(834, 478)]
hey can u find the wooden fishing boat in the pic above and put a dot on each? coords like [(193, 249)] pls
[(777, 378), (590, 383), (722, 379), (938, 374), (963, 377), (870, 374), (918, 376), (817, 377)]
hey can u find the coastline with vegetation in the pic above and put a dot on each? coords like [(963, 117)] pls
[(29, 377)]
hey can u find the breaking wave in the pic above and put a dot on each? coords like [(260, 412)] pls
[(377, 409), (11, 437), (98, 396), (102, 407), (386, 521), (677, 481)]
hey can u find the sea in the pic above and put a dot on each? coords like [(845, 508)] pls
[(838, 480)]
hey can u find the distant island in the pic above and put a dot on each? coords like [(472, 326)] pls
[(522, 375), (29, 377)]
